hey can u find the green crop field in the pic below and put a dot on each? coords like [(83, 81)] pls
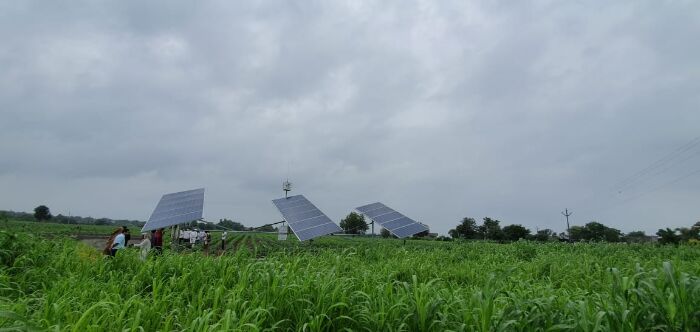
[(33, 227), (338, 283)]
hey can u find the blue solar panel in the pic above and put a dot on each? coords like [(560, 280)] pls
[(393, 221), (319, 230), (387, 217), (176, 208), (304, 218), (370, 207), (394, 224), (378, 212), (298, 209), (409, 230)]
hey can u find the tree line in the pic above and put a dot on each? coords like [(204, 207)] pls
[(43, 214), (490, 229), (236, 226)]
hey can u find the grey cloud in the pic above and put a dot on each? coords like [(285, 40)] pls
[(442, 110)]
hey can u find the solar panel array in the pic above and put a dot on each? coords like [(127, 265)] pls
[(176, 208), (305, 219), (394, 222)]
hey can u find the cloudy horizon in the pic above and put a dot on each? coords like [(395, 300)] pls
[(441, 110)]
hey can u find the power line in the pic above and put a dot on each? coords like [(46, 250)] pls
[(652, 170), (676, 180), (631, 180), (661, 171)]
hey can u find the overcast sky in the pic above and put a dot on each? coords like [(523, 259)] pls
[(514, 110)]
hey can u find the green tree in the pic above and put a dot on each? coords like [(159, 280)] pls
[(232, 225), (578, 233), (385, 233), (668, 236), (686, 234), (267, 228), (465, 230), (103, 221), (42, 213), (595, 231), (637, 237), (515, 232), (491, 230), (544, 235), (354, 223), (613, 235)]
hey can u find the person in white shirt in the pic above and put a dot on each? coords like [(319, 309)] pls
[(193, 238), (223, 240), (118, 243), (182, 237), (145, 246)]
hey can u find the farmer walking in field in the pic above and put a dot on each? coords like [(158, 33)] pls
[(223, 241)]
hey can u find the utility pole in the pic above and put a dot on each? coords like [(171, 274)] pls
[(568, 230)]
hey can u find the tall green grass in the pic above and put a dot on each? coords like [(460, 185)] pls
[(49, 228), (337, 284)]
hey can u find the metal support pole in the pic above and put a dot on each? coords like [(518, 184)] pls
[(174, 237)]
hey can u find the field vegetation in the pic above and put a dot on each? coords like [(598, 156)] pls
[(55, 229), (338, 283)]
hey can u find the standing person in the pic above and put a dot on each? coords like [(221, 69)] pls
[(145, 246), (186, 236), (127, 235), (118, 243), (223, 241), (180, 236), (205, 241), (193, 238), (108, 246), (157, 240)]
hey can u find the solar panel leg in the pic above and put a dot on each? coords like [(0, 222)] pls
[(174, 236)]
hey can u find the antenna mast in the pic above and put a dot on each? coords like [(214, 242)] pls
[(287, 187)]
